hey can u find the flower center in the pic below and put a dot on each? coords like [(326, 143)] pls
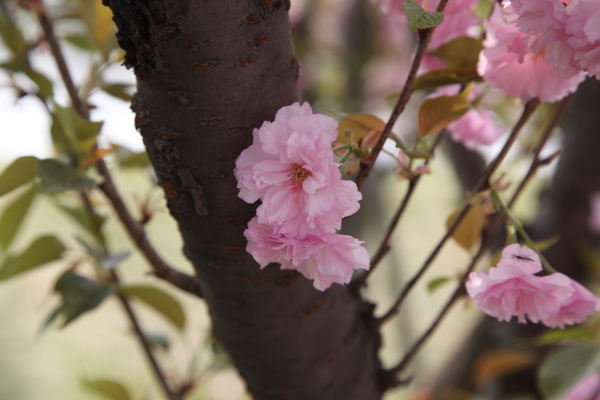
[(298, 174)]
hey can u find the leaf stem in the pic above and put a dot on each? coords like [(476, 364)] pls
[(401, 103)]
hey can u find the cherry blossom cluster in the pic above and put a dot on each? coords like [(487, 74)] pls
[(511, 289), (290, 168)]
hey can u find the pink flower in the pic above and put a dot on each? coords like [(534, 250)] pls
[(585, 388), (477, 127), (290, 167), (326, 259), (568, 32), (574, 309), (511, 289), (594, 221), (459, 19), (507, 64)]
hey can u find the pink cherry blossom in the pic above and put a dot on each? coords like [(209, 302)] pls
[(568, 32), (477, 127), (459, 18), (326, 259), (507, 64), (594, 220), (290, 167), (574, 309), (585, 388), (511, 289)]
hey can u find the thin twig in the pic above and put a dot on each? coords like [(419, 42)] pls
[(490, 234), (48, 28), (558, 111), (482, 184), (135, 229), (384, 247), (401, 104), (160, 375)]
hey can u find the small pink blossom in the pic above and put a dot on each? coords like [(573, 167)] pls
[(290, 167), (594, 220), (511, 289), (326, 259), (507, 64), (585, 388), (477, 127)]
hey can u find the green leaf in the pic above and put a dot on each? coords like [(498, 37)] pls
[(45, 87), (79, 295), (76, 129), (161, 301), (92, 224), (21, 171), (157, 340), (469, 230), (435, 114), (56, 177), (433, 284), (81, 41), (484, 9), (12, 36), (13, 216), (461, 53), (442, 77), (129, 159), (108, 389), (565, 367), (419, 18), (118, 90), (574, 333), (43, 250)]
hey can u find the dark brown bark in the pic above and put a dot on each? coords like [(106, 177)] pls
[(209, 72)]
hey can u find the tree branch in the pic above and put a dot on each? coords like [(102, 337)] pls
[(384, 247), (133, 227), (402, 101), (482, 184)]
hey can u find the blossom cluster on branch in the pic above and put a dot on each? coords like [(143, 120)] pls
[(290, 168), (511, 289)]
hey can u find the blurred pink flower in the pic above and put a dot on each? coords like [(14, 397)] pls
[(574, 309), (594, 221), (585, 388), (507, 64), (290, 167), (326, 259), (477, 127), (568, 32), (510, 289)]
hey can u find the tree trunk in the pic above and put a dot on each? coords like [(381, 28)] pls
[(208, 72)]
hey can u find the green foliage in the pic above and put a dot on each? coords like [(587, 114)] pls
[(43, 250), (13, 216), (461, 53), (72, 133), (436, 283), (435, 114), (418, 18), (108, 389), (128, 159), (571, 334), (56, 177), (442, 77), (12, 37), (19, 172), (45, 86), (563, 368), (79, 295), (118, 90), (160, 301)]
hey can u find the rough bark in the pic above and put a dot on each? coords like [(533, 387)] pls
[(208, 72)]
